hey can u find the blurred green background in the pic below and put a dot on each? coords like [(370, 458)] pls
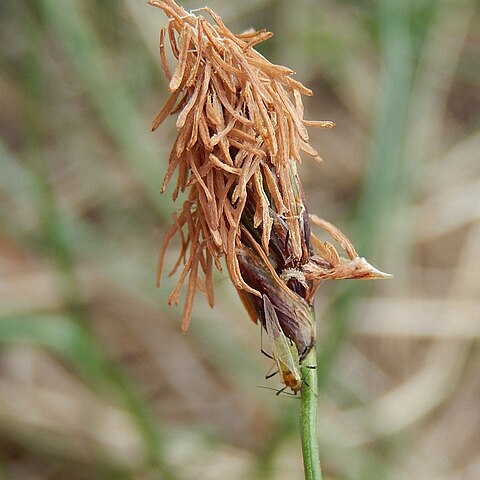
[(96, 379)]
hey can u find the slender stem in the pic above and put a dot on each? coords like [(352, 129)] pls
[(308, 419)]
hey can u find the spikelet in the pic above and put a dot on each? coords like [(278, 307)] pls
[(241, 132)]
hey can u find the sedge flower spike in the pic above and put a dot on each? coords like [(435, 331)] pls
[(241, 132)]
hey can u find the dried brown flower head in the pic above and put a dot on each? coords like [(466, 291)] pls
[(240, 134)]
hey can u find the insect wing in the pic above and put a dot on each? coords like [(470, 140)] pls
[(285, 352)]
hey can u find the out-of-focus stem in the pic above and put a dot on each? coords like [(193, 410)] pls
[(308, 418)]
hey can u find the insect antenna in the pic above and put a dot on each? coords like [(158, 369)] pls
[(281, 391)]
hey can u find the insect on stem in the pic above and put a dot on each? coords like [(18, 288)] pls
[(284, 351)]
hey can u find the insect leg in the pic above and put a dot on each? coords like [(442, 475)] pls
[(267, 354), (270, 375)]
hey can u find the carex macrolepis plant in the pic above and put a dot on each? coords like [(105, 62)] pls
[(241, 133)]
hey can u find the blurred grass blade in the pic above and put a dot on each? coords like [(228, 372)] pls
[(59, 334), (118, 111), (385, 175), (66, 338)]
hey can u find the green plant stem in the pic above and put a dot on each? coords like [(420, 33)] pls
[(308, 419)]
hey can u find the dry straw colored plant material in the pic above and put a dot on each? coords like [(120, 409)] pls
[(241, 132)]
